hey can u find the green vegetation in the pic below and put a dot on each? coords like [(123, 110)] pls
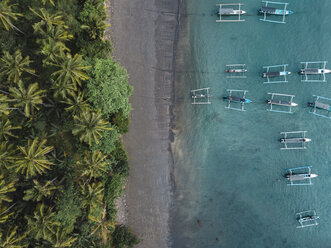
[(64, 102)]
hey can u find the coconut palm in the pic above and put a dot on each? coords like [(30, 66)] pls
[(47, 20), (32, 160), (6, 128), (92, 194), (63, 89), (7, 15), (12, 240), (95, 25), (93, 165), (13, 65), (42, 225), (70, 69), (77, 103), (5, 188), (61, 239), (90, 126), (28, 98), (101, 225), (6, 154), (38, 191), (52, 49)]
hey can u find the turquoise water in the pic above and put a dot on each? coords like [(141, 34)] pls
[(230, 191)]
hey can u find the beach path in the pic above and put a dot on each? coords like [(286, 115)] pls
[(144, 34)]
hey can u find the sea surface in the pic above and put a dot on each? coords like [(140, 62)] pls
[(229, 186)]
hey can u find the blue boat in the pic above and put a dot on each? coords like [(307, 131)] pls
[(319, 105), (236, 99), (274, 11)]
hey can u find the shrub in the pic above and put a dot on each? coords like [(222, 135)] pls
[(108, 88), (124, 238)]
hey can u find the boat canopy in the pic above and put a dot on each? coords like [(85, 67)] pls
[(268, 9), (322, 105)]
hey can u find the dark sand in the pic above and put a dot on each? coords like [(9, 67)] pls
[(144, 36)]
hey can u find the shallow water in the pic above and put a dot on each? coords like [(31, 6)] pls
[(230, 190)]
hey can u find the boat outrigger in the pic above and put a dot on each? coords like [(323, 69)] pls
[(270, 8), (236, 70), (276, 73), (300, 176), (292, 142), (321, 106), (236, 99), (272, 101), (229, 11), (307, 218), (314, 74), (201, 96)]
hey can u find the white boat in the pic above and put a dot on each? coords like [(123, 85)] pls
[(230, 12), (295, 140), (314, 71)]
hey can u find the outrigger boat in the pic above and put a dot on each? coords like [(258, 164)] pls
[(272, 101), (309, 72), (291, 141), (271, 10), (201, 96), (236, 70), (276, 71), (300, 176), (321, 106), (236, 99), (229, 11), (307, 218)]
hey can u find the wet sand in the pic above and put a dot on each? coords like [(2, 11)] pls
[(144, 36)]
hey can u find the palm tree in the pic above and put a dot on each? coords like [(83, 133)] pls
[(61, 239), (47, 20), (38, 191), (12, 240), (28, 98), (96, 24), (5, 188), (62, 89), (90, 126), (42, 223), (6, 128), (70, 69), (52, 49), (6, 154), (33, 158), (102, 225), (7, 15), (92, 194), (77, 103), (12, 66), (93, 165)]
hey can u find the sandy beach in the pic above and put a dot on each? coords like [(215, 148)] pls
[(144, 35)]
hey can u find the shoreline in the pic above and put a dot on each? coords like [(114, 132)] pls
[(144, 37)]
